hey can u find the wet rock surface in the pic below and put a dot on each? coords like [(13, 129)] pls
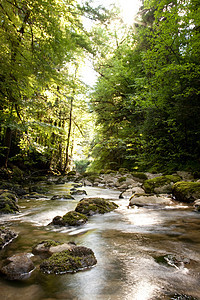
[(150, 200), (17, 267), (62, 197), (6, 236)]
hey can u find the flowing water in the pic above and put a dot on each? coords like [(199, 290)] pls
[(127, 244)]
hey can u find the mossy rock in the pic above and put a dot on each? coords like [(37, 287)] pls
[(93, 206), (122, 179), (166, 180), (73, 260), (186, 191), (8, 203), (73, 218), (139, 175), (43, 247), (62, 197)]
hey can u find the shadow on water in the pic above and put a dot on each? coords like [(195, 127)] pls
[(126, 244)]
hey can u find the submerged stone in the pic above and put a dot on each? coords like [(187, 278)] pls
[(79, 192), (173, 260), (186, 191), (72, 260), (91, 206), (182, 297), (6, 236), (62, 197)]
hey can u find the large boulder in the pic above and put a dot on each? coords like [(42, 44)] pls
[(140, 200), (71, 218), (72, 260), (17, 267), (8, 202), (6, 236), (91, 206), (186, 191), (160, 185)]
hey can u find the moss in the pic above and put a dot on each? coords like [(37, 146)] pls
[(139, 175), (73, 218), (50, 243), (71, 260), (8, 203), (109, 171), (186, 191), (121, 179), (93, 206), (123, 170), (150, 184)]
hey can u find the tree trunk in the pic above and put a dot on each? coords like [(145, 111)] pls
[(69, 135), (7, 145)]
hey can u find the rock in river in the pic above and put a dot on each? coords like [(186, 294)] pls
[(75, 259), (17, 267), (186, 191), (8, 202), (6, 236), (91, 206), (71, 218), (48, 247)]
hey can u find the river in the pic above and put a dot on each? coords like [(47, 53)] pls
[(127, 243)]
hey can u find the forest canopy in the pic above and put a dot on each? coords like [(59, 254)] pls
[(145, 103), (147, 97)]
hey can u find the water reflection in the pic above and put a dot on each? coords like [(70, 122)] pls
[(125, 243)]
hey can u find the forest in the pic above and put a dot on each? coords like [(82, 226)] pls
[(143, 112)]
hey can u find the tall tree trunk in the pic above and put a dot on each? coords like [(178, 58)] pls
[(69, 134), (7, 145)]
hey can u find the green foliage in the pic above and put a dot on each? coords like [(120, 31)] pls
[(81, 165), (41, 108), (147, 96)]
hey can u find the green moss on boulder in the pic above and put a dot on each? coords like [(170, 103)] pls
[(186, 191), (153, 185), (139, 175), (73, 218), (72, 260), (93, 206), (8, 203)]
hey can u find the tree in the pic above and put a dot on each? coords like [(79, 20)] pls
[(39, 41)]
